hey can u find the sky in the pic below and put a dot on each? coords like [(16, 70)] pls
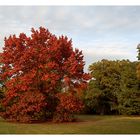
[(101, 32)]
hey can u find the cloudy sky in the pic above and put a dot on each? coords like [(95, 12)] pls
[(109, 32)]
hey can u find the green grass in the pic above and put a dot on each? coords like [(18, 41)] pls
[(89, 124)]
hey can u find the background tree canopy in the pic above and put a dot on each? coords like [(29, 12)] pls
[(114, 88)]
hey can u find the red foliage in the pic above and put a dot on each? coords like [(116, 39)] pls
[(27, 107), (37, 68), (68, 105)]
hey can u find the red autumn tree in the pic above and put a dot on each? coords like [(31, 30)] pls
[(41, 75)]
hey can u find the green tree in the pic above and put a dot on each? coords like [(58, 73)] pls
[(129, 95), (114, 88), (102, 89), (138, 48)]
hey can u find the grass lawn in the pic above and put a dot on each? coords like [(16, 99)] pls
[(89, 124)]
